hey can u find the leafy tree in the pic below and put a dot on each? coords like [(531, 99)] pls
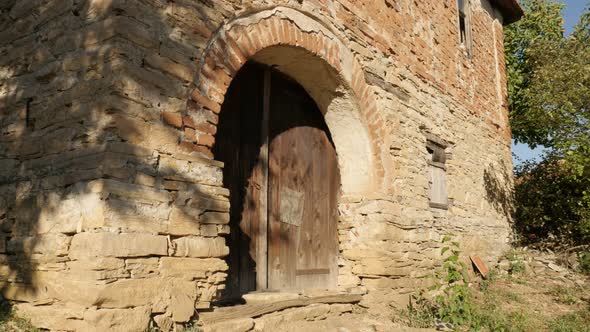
[(550, 204), (542, 23), (549, 96)]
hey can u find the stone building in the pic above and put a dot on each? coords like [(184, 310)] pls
[(159, 157)]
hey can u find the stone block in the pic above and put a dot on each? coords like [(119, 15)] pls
[(200, 247), (142, 267), (168, 66), (340, 308), (117, 245), (208, 201), (54, 317), (48, 244), (145, 179), (127, 293), (97, 263), (92, 210), (214, 218), (135, 319), (164, 322), (234, 325), (182, 306), (183, 221), (190, 268), (208, 230), (123, 189), (382, 267)]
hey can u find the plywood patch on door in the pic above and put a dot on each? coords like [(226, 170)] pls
[(291, 209)]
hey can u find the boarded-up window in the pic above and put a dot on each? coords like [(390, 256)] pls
[(437, 173)]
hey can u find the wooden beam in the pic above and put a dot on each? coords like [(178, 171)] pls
[(262, 252)]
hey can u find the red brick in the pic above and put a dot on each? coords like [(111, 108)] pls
[(246, 43), (217, 53), (211, 117), (192, 106), (255, 37), (279, 30), (307, 43), (234, 54), (204, 150), (206, 140), (263, 35), (188, 121), (188, 147), (274, 31), (292, 40), (217, 75), (235, 49), (316, 43), (198, 97), (173, 119), (285, 32), (207, 128), (190, 134), (216, 95), (298, 37)]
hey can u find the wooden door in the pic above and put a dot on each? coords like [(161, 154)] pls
[(282, 172), (303, 190)]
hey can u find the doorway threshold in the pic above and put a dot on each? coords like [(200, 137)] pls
[(265, 302)]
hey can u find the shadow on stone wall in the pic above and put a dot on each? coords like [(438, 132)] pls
[(83, 148), (498, 181)]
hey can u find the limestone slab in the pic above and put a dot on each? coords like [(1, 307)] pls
[(117, 245)]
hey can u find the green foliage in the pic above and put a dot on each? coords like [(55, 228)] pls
[(420, 312), (491, 316), (451, 300), (551, 204), (541, 24), (548, 77), (454, 298), (454, 301), (564, 295), (584, 259), (549, 96), (516, 263), (11, 322), (578, 321)]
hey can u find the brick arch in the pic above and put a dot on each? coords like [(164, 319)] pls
[(242, 39)]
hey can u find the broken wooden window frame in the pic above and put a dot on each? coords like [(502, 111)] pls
[(464, 25)]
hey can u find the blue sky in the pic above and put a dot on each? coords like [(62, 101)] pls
[(571, 13)]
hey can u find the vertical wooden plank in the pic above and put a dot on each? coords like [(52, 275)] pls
[(262, 254)]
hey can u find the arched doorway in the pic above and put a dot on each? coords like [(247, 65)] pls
[(282, 172)]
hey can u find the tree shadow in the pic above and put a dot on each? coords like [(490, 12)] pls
[(83, 89), (498, 181)]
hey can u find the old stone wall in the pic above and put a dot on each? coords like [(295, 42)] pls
[(112, 212)]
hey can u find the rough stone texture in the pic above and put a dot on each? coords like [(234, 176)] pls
[(111, 202)]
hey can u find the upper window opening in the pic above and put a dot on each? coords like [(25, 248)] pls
[(464, 28)]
